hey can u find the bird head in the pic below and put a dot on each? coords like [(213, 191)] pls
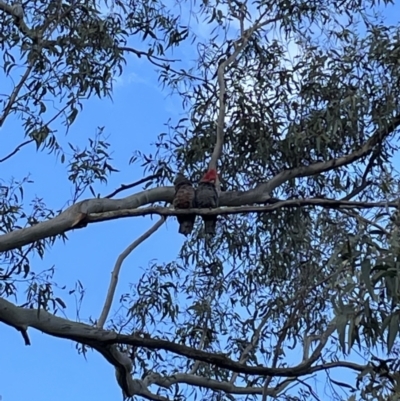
[(210, 176), (180, 179)]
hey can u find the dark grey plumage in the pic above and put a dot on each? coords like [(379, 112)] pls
[(184, 199), (207, 197)]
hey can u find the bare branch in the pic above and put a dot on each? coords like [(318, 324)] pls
[(76, 214), (96, 210), (152, 58), (117, 268), (102, 341), (16, 150), (238, 45), (14, 95), (292, 203), (124, 187), (221, 100), (199, 381)]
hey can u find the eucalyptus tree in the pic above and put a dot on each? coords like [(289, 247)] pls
[(295, 104)]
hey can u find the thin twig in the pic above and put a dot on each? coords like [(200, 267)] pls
[(14, 95), (124, 187), (117, 268), (252, 344), (366, 221), (166, 67), (356, 190), (16, 150), (310, 389), (141, 53)]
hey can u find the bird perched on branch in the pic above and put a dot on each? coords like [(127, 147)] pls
[(184, 199), (207, 197)]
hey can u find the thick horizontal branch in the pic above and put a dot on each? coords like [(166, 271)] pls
[(96, 210), (75, 216), (167, 211)]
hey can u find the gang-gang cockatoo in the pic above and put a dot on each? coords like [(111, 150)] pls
[(184, 199), (207, 197)]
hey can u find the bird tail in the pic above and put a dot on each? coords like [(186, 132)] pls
[(186, 226)]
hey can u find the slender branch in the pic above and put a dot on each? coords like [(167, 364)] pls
[(117, 268), (14, 95), (321, 167), (323, 340), (141, 53), (356, 190), (167, 67), (239, 45), (366, 221), (16, 150), (364, 182), (205, 325), (221, 100), (290, 322), (297, 203), (253, 343), (124, 187), (310, 389), (198, 381)]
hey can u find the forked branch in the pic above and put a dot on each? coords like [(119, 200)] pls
[(105, 341)]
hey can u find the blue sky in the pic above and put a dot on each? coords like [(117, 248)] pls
[(51, 369)]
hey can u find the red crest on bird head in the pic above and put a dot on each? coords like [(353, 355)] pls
[(210, 176)]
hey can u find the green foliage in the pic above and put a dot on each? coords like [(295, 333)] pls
[(70, 51), (313, 85)]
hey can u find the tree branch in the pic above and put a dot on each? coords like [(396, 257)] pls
[(292, 203), (14, 95), (239, 44), (117, 268), (124, 187), (367, 222), (198, 381), (152, 58), (252, 345), (16, 150), (321, 167), (96, 210), (101, 340), (19, 22)]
